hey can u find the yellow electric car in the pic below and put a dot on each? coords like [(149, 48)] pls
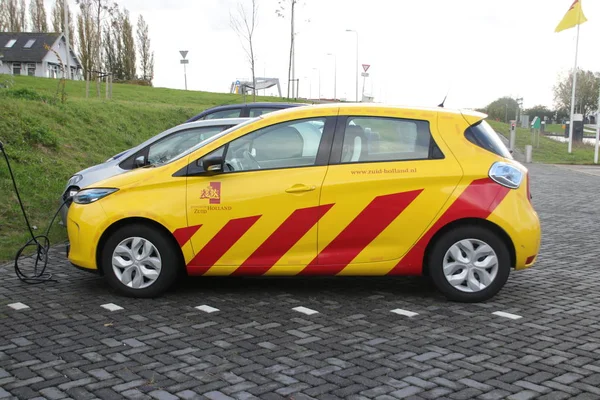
[(338, 189)]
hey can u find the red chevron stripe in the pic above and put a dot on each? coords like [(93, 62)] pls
[(282, 240), (182, 235), (219, 244), (377, 216), (478, 200)]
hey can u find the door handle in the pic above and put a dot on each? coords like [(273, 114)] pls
[(300, 188)]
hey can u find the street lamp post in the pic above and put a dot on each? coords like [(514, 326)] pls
[(334, 75), (319, 72), (352, 30)]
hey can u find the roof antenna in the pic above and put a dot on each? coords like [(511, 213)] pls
[(445, 97)]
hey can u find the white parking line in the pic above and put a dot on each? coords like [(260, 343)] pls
[(111, 307), (506, 315), (406, 313), (18, 306), (207, 309), (305, 310)]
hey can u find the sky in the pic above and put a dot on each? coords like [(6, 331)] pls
[(418, 51)]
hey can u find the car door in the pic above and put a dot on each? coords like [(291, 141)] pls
[(258, 215), (388, 179)]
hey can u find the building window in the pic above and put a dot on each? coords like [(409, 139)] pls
[(29, 43), (31, 69), (10, 43), (16, 68)]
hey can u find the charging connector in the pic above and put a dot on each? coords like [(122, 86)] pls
[(40, 242)]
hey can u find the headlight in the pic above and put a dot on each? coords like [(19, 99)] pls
[(87, 196), (74, 180), (506, 175)]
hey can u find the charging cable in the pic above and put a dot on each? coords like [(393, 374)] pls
[(40, 242)]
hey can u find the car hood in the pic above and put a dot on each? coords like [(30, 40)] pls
[(98, 172), (126, 179)]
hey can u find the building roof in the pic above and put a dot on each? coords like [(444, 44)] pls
[(18, 53)]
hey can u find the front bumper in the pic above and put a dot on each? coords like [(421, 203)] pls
[(85, 225)]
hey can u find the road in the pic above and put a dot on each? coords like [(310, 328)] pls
[(382, 338)]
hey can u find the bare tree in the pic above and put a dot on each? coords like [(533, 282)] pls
[(3, 16), (281, 10), (111, 43), (37, 13), (244, 23), (129, 52), (87, 34), (58, 21), (146, 56), (12, 16), (22, 12)]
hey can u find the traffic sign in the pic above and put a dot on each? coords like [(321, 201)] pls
[(184, 61), (364, 74), (237, 83), (183, 53), (366, 67)]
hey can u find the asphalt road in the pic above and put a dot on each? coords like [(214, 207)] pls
[(300, 338)]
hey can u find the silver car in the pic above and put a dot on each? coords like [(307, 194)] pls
[(155, 150)]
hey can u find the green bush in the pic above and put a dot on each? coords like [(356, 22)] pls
[(41, 135), (27, 94)]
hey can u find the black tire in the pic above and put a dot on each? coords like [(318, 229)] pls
[(446, 241), (169, 255)]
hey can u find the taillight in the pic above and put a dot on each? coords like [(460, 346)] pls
[(506, 174)]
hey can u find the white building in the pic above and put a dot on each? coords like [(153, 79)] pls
[(24, 53)]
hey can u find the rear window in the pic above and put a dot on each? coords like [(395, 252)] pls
[(481, 134)]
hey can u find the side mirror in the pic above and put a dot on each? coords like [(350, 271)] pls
[(139, 161), (212, 164)]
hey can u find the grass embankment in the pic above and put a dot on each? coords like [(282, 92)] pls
[(549, 151), (47, 142)]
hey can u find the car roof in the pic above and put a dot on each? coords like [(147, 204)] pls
[(362, 106), (264, 104), (209, 122)]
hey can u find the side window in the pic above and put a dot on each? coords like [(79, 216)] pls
[(256, 112), (286, 145), (233, 113), (369, 139), (484, 136)]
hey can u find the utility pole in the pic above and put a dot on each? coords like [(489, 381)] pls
[(66, 33)]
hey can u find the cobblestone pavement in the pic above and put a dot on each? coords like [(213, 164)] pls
[(249, 341)]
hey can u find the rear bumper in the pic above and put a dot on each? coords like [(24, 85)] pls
[(517, 217)]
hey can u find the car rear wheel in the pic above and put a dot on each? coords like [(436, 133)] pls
[(469, 264), (140, 261)]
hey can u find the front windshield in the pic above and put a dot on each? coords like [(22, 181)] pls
[(166, 149), (203, 143)]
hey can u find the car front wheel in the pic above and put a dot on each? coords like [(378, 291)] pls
[(140, 261), (469, 264)]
